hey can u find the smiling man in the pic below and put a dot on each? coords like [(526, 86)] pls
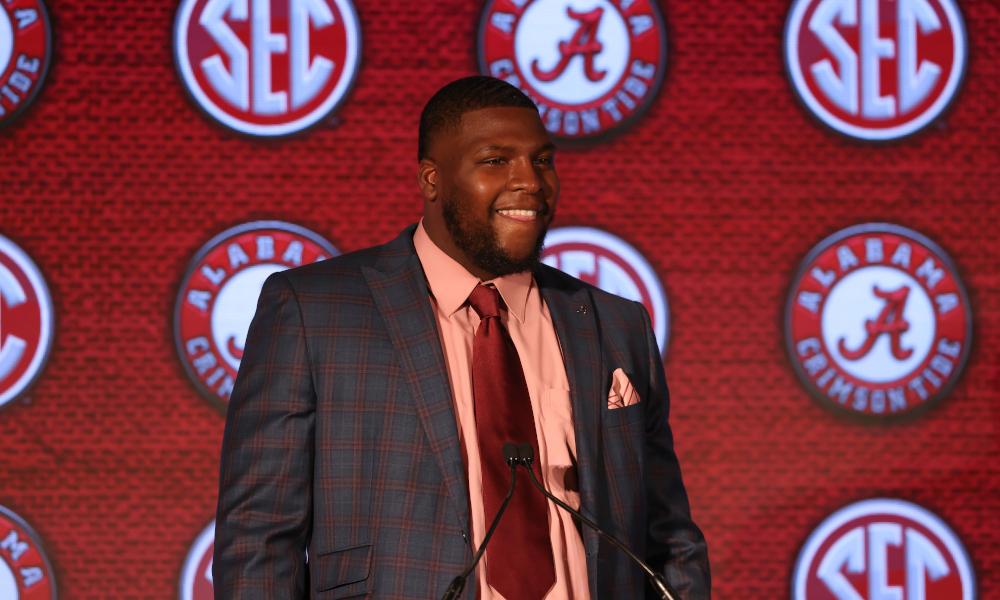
[(362, 450)]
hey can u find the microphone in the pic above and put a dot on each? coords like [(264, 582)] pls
[(660, 584), (512, 458)]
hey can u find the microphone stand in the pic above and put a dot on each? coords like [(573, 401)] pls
[(511, 457), (659, 582)]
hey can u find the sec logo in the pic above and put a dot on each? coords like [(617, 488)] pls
[(605, 261), (196, 576), (25, 52), (880, 549), (25, 571), (218, 297), (26, 321), (591, 66), (878, 323), (267, 68), (876, 69)]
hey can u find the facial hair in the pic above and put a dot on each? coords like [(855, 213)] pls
[(480, 242)]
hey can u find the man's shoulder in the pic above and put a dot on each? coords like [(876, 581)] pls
[(560, 284), (345, 274)]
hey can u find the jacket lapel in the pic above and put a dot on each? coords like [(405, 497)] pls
[(398, 285), (572, 313)]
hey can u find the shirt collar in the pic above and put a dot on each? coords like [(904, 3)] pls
[(451, 284)]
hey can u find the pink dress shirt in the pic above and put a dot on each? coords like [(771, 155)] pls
[(529, 323)]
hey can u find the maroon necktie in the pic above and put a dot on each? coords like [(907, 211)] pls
[(519, 563)]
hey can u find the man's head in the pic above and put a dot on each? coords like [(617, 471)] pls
[(487, 176)]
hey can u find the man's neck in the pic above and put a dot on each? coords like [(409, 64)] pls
[(443, 240)]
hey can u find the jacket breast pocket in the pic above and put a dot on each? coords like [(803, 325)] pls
[(618, 417), (339, 569)]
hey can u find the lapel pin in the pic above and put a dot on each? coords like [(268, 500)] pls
[(582, 310)]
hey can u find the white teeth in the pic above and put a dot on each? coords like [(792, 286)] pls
[(520, 213)]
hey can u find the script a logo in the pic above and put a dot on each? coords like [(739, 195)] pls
[(890, 321), (875, 69), (26, 321), (25, 571), (584, 43), (878, 322), (591, 66), (218, 297), (603, 260), (883, 549), (196, 576), (267, 67)]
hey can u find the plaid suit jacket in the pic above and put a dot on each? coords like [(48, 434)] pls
[(341, 470)]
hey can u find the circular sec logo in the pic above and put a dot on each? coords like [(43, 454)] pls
[(196, 576), (25, 52), (875, 70), (603, 260), (881, 548), (25, 571), (591, 66), (26, 321), (267, 68), (218, 297), (878, 323)]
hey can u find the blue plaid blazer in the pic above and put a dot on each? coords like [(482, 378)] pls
[(341, 470)]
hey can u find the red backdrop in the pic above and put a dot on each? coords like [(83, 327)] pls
[(112, 181)]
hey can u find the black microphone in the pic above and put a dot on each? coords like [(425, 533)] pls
[(512, 458), (659, 582)]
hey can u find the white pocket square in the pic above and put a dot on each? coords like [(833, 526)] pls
[(622, 392)]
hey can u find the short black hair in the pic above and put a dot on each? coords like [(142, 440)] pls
[(446, 107)]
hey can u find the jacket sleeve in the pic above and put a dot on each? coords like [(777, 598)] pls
[(264, 515), (674, 544)]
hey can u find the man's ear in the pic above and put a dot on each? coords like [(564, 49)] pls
[(427, 179)]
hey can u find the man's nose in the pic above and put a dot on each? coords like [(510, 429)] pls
[(524, 177)]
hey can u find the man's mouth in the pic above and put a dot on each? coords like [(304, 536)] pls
[(520, 215)]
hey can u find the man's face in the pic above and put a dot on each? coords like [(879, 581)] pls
[(497, 186)]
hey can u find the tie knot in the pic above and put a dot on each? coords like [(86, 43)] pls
[(485, 301)]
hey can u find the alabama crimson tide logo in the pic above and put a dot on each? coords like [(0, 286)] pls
[(881, 549), (25, 50), (605, 261), (196, 577), (877, 322), (25, 571), (26, 321), (876, 69), (267, 68), (591, 66), (218, 297)]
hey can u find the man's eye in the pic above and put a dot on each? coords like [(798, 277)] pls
[(544, 161), (494, 161)]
